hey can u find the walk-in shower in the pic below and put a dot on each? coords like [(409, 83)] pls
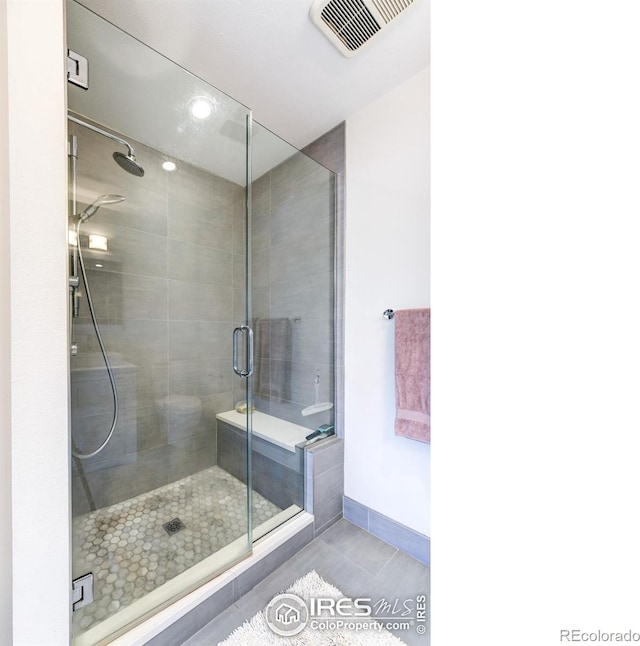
[(184, 456)]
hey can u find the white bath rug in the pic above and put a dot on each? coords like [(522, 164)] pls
[(319, 630)]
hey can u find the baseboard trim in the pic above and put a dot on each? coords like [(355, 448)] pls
[(404, 538)]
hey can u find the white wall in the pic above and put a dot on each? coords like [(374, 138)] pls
[(387, 266), (5, 348), (38, 299)]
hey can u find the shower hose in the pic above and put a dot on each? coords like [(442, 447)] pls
[(112, 381)]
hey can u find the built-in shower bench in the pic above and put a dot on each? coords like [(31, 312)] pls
[(277, 454)]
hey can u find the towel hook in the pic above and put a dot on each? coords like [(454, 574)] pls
[(388, 314)]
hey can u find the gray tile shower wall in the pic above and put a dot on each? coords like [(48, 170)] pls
[(171, 288), (324, 487), (167, 293), (329, 150), (293, 230)]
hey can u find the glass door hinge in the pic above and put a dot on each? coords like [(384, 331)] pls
[(82, 591), (77, 70)]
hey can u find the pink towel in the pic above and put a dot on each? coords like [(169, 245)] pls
[(413, 379)]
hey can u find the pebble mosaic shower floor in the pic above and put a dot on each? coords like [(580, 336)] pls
[(136, 545)]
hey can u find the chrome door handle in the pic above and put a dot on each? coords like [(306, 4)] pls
[(249, 360), (249, 351), (236, 332)]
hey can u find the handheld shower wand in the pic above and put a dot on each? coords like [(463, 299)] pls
[(93, 208), (90, 211), (83, 217)]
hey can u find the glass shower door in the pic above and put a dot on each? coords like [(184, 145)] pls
[(158, 253)]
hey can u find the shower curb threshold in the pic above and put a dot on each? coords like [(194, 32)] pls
[(165, 618)]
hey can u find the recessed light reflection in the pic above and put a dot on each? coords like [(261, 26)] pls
[(169, 165), (201, 107), (98, 264), (98, 242)]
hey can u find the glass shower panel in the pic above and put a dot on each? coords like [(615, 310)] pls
[(292, 293), (158, 284)]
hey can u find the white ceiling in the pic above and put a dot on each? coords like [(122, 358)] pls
[(268, 55)]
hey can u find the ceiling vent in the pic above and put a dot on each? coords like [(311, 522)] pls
[(350, 24)]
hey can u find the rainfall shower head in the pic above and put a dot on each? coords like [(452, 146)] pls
[(126, 162), (103, 199), (129, 163)]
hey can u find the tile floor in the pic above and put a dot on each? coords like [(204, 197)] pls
[(354, 561), (129, 551)]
